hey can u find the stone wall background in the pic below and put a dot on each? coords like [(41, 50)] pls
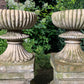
[(2, 4)]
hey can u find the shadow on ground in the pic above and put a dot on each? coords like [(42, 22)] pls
[(43, 77)]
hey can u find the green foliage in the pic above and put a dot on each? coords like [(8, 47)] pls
[(42, 62), (3, 43), (28, 5), (69, 4), (29, 43)]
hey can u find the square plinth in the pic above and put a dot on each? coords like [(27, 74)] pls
[(21, 73), (68, 78), (14, 82)]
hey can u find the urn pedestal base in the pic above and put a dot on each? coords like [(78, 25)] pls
[(68, 78), (65, 73), (21, 73), (14, 82), (68, 64)]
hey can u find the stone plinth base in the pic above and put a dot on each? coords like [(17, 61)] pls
[(14, 82), (68, 78), (21, 73), (66, 73)]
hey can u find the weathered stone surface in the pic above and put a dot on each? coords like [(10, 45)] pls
[(68, 78), (69, 19), (17, 74), (14, 21), (14, 82), (17, 19), (68, 64), (13, 36), (15, 53), (16, 64)]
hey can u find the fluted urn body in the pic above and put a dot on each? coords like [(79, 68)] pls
[(71, 57), (14, 21), (69, 19)]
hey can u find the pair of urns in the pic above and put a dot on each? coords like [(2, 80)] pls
[(16, 20)]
